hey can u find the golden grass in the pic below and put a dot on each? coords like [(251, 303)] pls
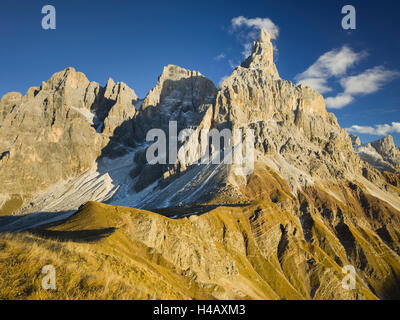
[(253, 251), (11, 205), (228, 253)]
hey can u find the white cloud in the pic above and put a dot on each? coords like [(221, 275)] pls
[(258, 24), (332, 63), (318, 84), (369, 81), (252, 30), (247, 49), (339, 101), (335, 63), (378, 130), (232, 64), (220, 57)]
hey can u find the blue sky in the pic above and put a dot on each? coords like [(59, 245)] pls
[(131, 41)]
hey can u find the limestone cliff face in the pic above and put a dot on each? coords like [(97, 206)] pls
[(111, 106), (388, 150), (291, 122), (118, 121), (262, 56), (381, 154), (180, 95), (44, 131), (255, 92), (310, 206), (355, 140), (57, 131)]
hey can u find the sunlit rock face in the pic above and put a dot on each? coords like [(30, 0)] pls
[(309, 206), (382, 154), (57, 131), (47, 129), (180, 95)]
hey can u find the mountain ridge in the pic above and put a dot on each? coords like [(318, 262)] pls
[(310, 206)]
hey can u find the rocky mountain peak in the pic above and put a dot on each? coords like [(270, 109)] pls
[(308, 202), (68, 77), (262, 56), (386, 147), (355, 140), (381, 154), (177, 86), (109, 87), (384, 143), (264, 36), (180, 95)]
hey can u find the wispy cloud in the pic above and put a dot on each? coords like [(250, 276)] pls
[(247, 49), (220, 56), (257, 24), (319, 84), (335, 64), (339, 101), (232, 64), (377, 130), (369, 81), (249, 30)]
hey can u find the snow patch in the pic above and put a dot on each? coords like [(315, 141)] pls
[(86, 113)]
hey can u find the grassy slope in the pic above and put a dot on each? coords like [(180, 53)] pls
[(265, 250), (227, 253)]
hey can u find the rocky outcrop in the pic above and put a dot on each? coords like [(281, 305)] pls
[(122, 110), (355, 140), (262, 56), (309, 207), (254, 92), (180, 95), (294, 132), (382, 154), (43, 134), (388, 150)]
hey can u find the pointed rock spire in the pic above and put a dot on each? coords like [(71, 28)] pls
[(65, 79), (264, 36), (386, 147), (355, 140), (109, 90), (262, 56)]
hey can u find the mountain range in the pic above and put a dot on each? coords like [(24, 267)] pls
[(78, 192)]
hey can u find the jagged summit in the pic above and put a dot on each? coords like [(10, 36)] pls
[(264, 36), (387, 149), (384, 144), (355, 140), (308, 205), (262, 56), (180, 95), (382, 154), (176, 84)]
